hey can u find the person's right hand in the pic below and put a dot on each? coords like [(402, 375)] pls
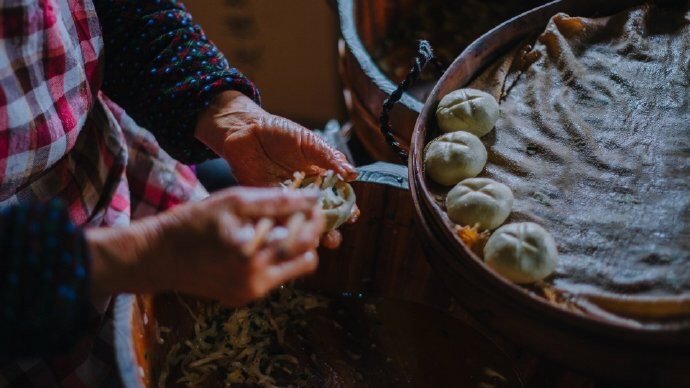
[(233, 247)]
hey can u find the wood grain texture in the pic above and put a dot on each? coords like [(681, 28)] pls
[(382, 254), (642, 356)]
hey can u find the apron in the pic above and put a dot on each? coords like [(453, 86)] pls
[(61, 138)]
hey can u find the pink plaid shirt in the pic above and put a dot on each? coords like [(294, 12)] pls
[(61, 138)]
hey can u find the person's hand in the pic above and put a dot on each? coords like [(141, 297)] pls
[(333, 238), (264, 149), (233, 247)]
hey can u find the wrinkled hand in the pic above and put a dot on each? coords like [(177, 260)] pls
[(233, 247), (264, 149)]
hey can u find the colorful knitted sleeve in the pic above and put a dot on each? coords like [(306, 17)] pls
[(163, 70), (44, 288)]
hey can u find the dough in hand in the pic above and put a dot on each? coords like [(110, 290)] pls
[(522, 252), (452, 157), (468, 110), (481, 201), (337, 198)]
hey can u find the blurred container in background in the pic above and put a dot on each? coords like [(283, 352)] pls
[(288, 48)]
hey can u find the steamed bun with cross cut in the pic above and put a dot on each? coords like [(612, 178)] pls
[(479, 201), (468, 110), (452, 157), (522, 252)]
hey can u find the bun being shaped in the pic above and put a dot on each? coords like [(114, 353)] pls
[(479, 201), (468, 110), (337, 198), (452, 157), (522, 252)]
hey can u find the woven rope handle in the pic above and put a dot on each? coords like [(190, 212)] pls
[(424, 55)]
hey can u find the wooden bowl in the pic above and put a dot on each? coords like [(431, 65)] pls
[(364, 24), (638, 355), (381, 255)]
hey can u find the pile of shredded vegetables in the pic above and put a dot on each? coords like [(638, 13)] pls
[(242, 346)]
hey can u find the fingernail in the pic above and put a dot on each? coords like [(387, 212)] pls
[(278, 233), (350, 169)]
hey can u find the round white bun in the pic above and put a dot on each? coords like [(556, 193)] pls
[(468, 110), (522, 252), (452, 157), (479, 201)]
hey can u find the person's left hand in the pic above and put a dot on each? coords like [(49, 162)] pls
[(264, 149)]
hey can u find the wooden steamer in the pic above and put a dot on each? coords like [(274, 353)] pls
[(366, 86), (612, 350)]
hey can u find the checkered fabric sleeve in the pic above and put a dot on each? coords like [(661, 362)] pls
[(44, 297), (163, 70)]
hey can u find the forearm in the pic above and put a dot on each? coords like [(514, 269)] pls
[(121, 258), (164, 71)]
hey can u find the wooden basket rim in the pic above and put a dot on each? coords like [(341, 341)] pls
[(472, 61)]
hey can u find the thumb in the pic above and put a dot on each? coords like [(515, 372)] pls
[(315, 150), (332, 239)]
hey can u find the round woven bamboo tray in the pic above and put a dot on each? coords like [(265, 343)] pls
[(636, 355)]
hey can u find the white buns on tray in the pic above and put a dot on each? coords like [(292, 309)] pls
[(521, 252), (468, 110)]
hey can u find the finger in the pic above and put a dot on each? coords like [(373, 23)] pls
[(332, 239), (318, 155), (318, 152), (303, 238), (296, 237), (273, 202), (354, 215), (296, 224), (277, 236), (238, 234), (261, 231), (287, 270), (262, 258), (350, 172)]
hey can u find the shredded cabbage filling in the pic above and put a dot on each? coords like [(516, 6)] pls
[(242, 346)]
